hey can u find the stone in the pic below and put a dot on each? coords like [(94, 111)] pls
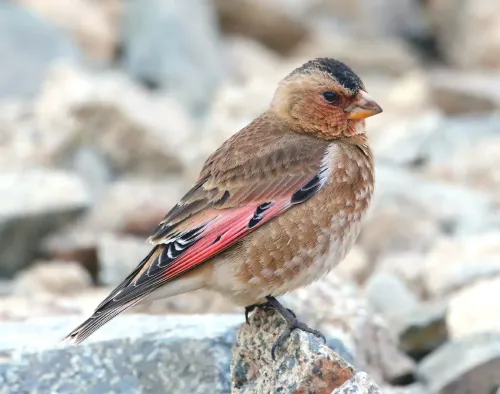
[(404, 218), (73, 244), (475, 165), (174, 46), (389, 296), (118, 256), (474, 309), (93, 25), (408, 267), (383, 55), (303, 364), (171, 354), (134, 205), (423, 329), (419, 327), (56, 277), (457, 27), (356, 266), (468, 365), (29, 46), (262, 21), (455, 263), (477, 93), (35, 203), (336, 307)]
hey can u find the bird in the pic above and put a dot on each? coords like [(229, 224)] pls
[(276, 207)]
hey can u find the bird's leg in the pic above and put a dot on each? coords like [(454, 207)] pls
[(293, 324), (250, 309)]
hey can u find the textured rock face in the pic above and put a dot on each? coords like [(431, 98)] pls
[(140, 353), (173, 45), (469, 365), (35, 203), (29, 46), (302, 365), (335, 307)]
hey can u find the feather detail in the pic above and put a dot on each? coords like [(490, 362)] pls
[(242, 187)]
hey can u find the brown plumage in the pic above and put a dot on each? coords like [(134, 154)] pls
[(276, 207)]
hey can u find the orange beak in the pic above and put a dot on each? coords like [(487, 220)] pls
[(363, 107)]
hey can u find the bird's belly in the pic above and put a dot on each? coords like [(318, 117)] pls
[(282, 258)]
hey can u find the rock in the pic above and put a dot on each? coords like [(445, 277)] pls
[(261, 21), (458, 262), (383, 55), (335, 307), (135, 206), (118, 256), (419, 327), (123, 145), (44, 304), (457, 27), (469, 365), (158, 354), (74, 244), (302, 365), (422, 329), (404, 218), (356, 266), (475, 165), (56, 277), (174, 46), (475, 309), (408, 267), (477, 93), (35, 203), (432, 139), (415, 388), (389, 296), (94, 25), (29, 47)]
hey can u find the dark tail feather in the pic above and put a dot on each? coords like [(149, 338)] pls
[(96, 321)]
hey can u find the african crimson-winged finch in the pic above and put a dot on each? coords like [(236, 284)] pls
[(276, 207)]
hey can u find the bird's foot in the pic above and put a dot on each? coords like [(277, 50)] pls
[(292, 322)]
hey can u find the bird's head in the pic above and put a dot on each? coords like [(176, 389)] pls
[(324, 97)]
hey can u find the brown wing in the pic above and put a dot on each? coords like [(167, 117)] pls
[(260, 161)]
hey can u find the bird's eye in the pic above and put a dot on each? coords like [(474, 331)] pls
[(331, 97)]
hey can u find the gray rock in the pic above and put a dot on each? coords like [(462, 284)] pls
[(389, 295), (433, 139), (477, 93), (118, 256), (34, 204), (29, 46), (269, 23), (335, 307), (454, 209), (466, 366), (423, 329), (174, 45), (132, 354), (303, 364)]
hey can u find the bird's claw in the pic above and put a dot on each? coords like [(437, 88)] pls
[(288, 331)]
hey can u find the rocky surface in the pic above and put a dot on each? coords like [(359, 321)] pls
[(30, 46), (174, 46), (35, 203), (175, 354), (469, 365), (302, 365)]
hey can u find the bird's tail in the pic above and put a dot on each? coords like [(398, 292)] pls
[(96, 321)]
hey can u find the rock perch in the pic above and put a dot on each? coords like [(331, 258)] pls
[(303, 365)]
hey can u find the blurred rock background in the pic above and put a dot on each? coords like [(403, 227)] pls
[(108, 109)]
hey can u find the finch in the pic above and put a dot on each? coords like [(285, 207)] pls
[(276, 207)]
